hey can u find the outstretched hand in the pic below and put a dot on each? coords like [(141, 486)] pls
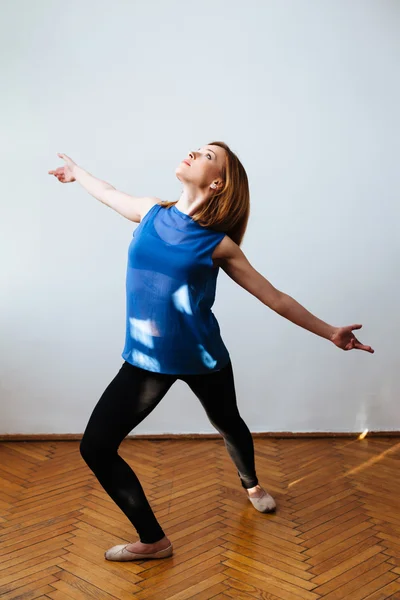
[(344, 338), (65, 173)]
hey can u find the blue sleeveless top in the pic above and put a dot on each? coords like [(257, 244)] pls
[(170, 289)]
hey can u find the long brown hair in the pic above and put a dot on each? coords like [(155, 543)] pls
[(229, 209)]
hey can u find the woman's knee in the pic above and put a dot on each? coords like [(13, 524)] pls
[(93, 450), (86, 449), (228, 424)]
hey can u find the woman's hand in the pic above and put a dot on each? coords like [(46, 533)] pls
[(65, 173), (345, 339)]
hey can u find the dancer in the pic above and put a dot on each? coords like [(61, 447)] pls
[(171, 331)]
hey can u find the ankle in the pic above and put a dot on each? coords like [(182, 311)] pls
[(253, 489), (162, 540)]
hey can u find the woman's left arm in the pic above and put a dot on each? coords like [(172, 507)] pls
[(237, 266)]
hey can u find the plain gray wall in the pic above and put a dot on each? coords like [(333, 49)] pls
[(307, 94)]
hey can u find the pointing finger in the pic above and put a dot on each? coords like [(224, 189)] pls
[(364, 347)]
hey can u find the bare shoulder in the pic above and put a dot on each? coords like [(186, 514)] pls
[(226, 250), (146, 203)]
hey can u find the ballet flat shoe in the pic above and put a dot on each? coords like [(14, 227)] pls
[(120, 553), (264, 503)]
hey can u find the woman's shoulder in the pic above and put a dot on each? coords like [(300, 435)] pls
[(149, 203), (225, 249)]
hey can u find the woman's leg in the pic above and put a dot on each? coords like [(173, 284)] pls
[(127, 400), (216, 392)]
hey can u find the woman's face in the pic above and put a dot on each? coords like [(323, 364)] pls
[(202, 167)]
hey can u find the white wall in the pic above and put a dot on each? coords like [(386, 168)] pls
[(307, 94)]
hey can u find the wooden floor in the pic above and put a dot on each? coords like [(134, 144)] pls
[(336, 532)]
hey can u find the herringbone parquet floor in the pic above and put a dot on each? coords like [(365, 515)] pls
[(335, 535)]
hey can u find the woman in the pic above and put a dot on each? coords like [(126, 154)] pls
[(171, 332)]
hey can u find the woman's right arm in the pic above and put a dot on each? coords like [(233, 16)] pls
[(130, 207)]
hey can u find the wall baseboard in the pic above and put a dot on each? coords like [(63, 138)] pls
[(62, 437)]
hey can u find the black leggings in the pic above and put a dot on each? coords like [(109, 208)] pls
[(128, 399)]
